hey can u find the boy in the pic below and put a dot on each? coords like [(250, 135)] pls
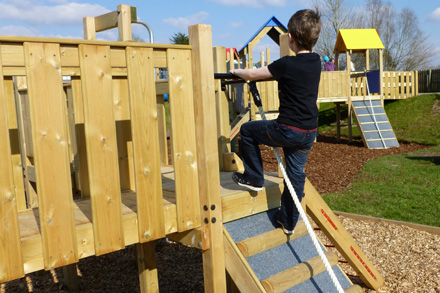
[(295, 128)]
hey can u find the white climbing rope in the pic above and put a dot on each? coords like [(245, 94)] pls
[(304, 216), (374, 115)]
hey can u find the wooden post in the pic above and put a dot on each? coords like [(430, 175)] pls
[(416, 83), (147, 268), (222, 106), (200, 37), (71, 279), (381, 75), (367, 59), (89, 28), (284, 46), (124, 22), (338, 121)]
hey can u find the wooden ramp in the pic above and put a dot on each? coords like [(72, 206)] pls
[(373, 124)]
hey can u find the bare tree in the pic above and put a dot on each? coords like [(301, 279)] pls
[(406, 47), (335, 15)]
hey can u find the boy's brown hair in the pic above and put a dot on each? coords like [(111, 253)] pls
[(305, 26)]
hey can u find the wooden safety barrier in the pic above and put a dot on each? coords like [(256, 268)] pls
[(110, 83)]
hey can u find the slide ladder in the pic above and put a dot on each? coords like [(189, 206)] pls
[(373, 124), (261, 258), (371, 118)]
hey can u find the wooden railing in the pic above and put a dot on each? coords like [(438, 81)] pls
[(395, 85), (103, 124)]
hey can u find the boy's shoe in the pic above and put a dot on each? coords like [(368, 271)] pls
[(286, 230), (240, 180)]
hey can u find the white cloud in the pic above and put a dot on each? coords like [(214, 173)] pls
[(18, 30), (63, 13), (252, 3), (236, 24), (184, 22), (435, 15)]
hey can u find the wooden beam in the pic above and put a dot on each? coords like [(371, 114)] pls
[(238, 268), (269, 240), (110, 20), (323, 216), (198, 238)]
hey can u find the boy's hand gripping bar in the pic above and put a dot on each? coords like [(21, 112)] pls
[(236, 79)]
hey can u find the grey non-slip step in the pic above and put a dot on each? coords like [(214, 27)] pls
[(282, 257)]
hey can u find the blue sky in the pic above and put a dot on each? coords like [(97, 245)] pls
[(233, 22)]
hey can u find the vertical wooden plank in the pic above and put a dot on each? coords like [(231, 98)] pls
[(209, 178), (102, 153), (184, 138), (11, 264), (145, 137), (51, 153)]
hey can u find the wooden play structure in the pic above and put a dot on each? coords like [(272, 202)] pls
[(84, 168)]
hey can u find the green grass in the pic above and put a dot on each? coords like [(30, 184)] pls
[(416, 119), (403, 187)]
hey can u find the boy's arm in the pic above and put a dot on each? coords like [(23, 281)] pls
[(253, 74)]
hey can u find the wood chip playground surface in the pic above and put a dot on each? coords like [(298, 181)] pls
[(407, 258)]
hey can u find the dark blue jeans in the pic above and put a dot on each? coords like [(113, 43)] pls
[(296, 146)]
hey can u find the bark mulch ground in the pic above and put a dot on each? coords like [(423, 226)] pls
[(408, 259)]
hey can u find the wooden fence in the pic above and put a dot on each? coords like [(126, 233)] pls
[(77, 126), (429, 81)]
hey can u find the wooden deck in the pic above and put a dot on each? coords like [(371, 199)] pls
[(237, 202)]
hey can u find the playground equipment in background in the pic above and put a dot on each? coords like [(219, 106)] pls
[(339, 87), (102, 135)]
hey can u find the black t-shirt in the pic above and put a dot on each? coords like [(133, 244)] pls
[(298, 83)]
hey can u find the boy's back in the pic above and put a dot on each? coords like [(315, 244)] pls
[(298, 83)]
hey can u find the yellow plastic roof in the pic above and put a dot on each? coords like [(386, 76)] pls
[(357, 39)]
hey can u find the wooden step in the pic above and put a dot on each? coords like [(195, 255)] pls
[(263, 242), (298, 274), (354, 289)]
